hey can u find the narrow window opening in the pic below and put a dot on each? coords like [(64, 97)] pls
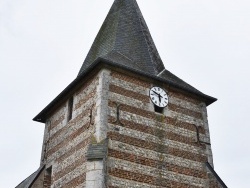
[(70, 108), (47, 178), (158, 109)]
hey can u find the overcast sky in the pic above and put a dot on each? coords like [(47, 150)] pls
[(44, 42)]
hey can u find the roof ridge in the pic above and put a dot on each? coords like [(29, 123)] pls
[(155, 57), (124, 55)]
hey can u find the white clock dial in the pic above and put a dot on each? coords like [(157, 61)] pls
[(158, 96)]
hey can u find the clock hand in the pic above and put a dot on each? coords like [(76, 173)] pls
[(155, 92), (159, 95)]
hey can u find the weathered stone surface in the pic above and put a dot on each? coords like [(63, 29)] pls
[(95, 174), (170, 138), (144, 149), (67, 142)]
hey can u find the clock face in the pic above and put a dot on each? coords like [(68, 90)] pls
[(158, 96)]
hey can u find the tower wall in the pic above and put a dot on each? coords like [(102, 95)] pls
[(66, 142), (144, 148), (148, 149)]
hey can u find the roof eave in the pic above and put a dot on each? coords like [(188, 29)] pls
[(41, 117), (207, 99), (31, 182), (211, 169)]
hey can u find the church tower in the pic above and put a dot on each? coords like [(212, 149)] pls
[(126, 121)]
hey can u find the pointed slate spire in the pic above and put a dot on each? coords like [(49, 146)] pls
[(124, 38)]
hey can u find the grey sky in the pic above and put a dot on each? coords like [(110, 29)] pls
[(43, 44)]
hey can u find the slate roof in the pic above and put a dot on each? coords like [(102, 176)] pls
[(211, 169), (124, 38), (170, 77), (124, 41), (27, 183)]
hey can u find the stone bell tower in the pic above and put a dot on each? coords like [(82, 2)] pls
[(126, 121)]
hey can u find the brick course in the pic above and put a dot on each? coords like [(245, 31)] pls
[(69, 168), (127, 93), (65, 139), (158, 132), (156, 163), (163, 153), (154, 155), (57, 122), (76, 181), (68, 139), (156, 147), (130, 79), (146, 179), (179, 116)]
